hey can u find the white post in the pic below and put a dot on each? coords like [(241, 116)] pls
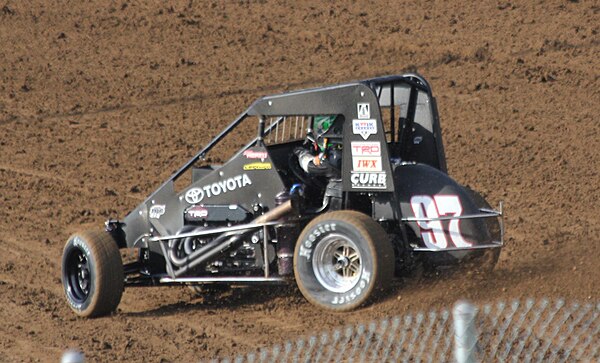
[(465, 335), (72, 356)]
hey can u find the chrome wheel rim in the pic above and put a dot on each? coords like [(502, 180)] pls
[(337, 263)]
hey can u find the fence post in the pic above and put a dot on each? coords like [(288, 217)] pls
[(72, 356), (465, 335)]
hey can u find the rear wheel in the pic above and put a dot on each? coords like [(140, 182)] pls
[(342, 259), (92, 273)]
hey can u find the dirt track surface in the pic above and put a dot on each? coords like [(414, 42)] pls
[(99, 103)]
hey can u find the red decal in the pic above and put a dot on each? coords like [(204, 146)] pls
[(251, 154)]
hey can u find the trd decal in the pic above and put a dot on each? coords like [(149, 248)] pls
[(433, 233), (197, 212), (365, 148)]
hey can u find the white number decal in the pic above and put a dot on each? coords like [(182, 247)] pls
[(433, 233)]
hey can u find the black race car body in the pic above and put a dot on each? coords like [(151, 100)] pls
[(373, 147)]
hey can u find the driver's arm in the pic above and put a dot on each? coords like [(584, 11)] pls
[(310, 163)]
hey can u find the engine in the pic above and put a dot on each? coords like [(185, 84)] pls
[(247, 256)]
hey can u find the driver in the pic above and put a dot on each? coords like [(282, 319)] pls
[(321, 154)]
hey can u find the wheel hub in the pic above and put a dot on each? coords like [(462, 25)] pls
[(78, 275), (342, 262), (337, 263), (83, 277)]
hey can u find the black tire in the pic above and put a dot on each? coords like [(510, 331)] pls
[(92, 273), (350, 281), (483, 261)]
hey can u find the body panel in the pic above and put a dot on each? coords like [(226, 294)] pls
[(425, 192)]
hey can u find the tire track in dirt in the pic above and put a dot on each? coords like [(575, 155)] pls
[(158, 103), (37, 173), (442, 59), (60, 180)]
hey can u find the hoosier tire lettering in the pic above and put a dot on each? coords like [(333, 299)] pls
[(342, 260), (305, 248), (352, 295)]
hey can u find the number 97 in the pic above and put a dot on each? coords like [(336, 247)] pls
[(432, 232)]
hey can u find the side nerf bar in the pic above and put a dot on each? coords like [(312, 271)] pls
[(484, 213)]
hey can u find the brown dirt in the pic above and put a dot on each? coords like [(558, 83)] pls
[(100, 102)]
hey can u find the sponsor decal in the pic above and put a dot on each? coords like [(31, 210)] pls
[(364, 128), (157, 210), (368, 180), (364, 111), (258, 166), (197, 212), (252, 154), (366, 163), (365, 148), (196, 195)]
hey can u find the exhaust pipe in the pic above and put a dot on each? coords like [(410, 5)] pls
[(227, 240)]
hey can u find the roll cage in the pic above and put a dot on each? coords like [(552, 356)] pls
[(414, 132)]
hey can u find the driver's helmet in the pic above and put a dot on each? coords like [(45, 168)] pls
[(322, 124)]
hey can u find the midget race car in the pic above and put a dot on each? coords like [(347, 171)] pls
[(337, 188)]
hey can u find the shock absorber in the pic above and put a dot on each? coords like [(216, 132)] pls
[(285, 241)]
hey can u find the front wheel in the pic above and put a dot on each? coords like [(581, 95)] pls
[(342, 259), (92, 273)]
